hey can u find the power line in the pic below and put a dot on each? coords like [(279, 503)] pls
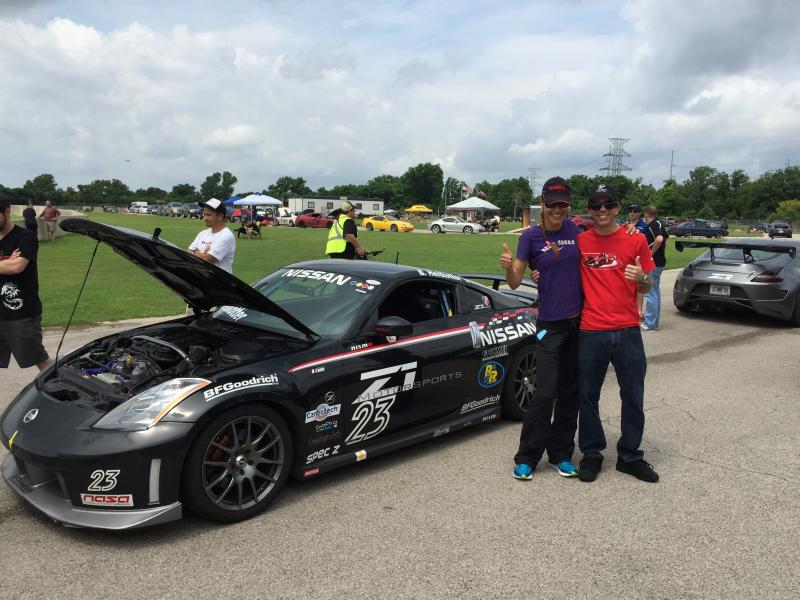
[(615, 155)]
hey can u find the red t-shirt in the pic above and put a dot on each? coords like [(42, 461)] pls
[(609, 300)]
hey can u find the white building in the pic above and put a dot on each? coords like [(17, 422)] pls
[(327, 204)]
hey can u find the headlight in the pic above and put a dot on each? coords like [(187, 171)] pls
[(148, 408)]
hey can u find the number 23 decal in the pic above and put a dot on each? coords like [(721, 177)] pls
[(370, 411), (103, 481)]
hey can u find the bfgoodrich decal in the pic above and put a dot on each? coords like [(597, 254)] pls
[(233, 386), (476, 404)]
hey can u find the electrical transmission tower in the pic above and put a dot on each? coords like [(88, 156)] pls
[(615, 155), (532, 179)]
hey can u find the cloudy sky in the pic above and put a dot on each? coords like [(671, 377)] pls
[(166, 92)]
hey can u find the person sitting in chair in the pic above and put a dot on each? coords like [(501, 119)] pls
[(250, 229)]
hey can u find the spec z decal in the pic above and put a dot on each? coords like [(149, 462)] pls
[(319, 275), (371, 414), (476, 404), (324, 453), (491, 374), (322, 412), (107, 499), (103, 481), (235, 386)]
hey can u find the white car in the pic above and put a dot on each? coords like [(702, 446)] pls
[(455, 224)]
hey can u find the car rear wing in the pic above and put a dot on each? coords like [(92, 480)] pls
[(498, 280), (790, 250)]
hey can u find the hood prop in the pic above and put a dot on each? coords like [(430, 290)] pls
[(74, 307)]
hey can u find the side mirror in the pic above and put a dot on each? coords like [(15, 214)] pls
[(393, 326)]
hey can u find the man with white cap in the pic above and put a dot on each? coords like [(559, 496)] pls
[(215, 244), (343, 235)]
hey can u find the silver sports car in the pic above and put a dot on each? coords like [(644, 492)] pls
[(757, 275)]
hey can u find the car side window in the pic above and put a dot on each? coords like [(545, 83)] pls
[(417, 302), (472, 300)]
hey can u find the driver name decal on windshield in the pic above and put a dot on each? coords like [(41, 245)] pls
[(319, 275)]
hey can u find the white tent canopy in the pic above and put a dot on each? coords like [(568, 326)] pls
[(258, 200), (473, 203)]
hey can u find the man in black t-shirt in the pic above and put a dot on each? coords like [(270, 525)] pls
[(20, 307), (657, 239), (29, 214)]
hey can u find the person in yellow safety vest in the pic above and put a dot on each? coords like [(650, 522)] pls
[(343, 235)]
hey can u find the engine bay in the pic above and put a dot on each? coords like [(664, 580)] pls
[(107, 372)]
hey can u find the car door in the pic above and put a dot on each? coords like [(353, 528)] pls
[(450, 224), (393, 385)]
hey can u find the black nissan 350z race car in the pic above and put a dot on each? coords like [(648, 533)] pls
[(318, 365)]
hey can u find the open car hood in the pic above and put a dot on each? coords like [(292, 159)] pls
[(202, 285)]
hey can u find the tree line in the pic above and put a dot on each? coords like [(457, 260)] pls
[(706, 193)]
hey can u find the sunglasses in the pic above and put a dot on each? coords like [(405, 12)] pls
[(557, 205), (608, 204)]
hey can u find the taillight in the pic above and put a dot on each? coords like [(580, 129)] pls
[(767, 277)]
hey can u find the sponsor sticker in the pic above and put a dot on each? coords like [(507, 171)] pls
[(440, 432), (494, 352), (494, 336), (311, 472), (234, 386), (476, 404), (107, 499), (316, 370), (488, 418), (322, 412), (361, 455), (318, 275), (234, 312), (491, 374), (373, 282), (322, 453)]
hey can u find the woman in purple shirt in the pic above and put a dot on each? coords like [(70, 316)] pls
[(550, 249)]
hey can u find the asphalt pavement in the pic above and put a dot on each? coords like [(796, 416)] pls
[(445, 519)]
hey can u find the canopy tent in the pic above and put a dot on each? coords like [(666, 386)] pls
[(256, 200), (473, 204), (231, 200), (419, 208)]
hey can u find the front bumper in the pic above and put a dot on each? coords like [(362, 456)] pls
[(49, 497)]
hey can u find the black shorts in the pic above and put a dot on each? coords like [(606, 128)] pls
[(23, 339)]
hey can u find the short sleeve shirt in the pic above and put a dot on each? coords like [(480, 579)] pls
[(609, 300), (655, 229), (221, 245), (51, 213), (559, 276), (19, 294)]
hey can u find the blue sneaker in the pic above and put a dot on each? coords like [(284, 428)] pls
[(523, 471), (565, 468)]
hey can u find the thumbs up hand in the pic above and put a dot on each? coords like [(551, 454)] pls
[(505, 258), (634, 272)]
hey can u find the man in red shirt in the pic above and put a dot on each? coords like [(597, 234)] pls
[(614, 267), (50, 215)]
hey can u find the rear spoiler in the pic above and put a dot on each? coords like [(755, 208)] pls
[(497, 280), (790, 250)]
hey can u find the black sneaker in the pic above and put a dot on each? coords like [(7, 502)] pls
[(641, 469), (589, 467)]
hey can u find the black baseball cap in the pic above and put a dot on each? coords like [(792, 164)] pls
[(556, 189), (634, 208), (604, 190)]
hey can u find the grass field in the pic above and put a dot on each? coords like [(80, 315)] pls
[(117, 289)]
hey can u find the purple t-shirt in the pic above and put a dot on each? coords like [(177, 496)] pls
[(560, 293)]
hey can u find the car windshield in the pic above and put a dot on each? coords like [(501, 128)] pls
[(391, 218), (326, 302)]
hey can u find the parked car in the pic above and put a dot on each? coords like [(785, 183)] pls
[(191, 211), (157, 209), (386, 223), (285, 217), (583, 222), (109, 208), (779, 229), (138, 207), (173, 209), (318, 365), (699, 227), (455, 224), (312, 220), (759, 276), (758, 227)]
